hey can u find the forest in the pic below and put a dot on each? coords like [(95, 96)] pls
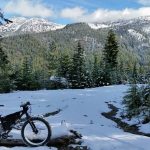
[(27, 64)]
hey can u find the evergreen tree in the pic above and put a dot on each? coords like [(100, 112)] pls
[(137, 102), (134, 76), (5, 81), (52, 58), (146, 101), (77, 74), (110, 54), (17, 78), (64, 66), (123, 73), (95, 72), (88, 79), (132, 101), (25, 78), (3, 59)]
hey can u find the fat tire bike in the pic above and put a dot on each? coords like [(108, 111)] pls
[(35, 131)]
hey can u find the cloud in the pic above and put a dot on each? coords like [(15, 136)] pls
[(28, 8), (78, 14), (73, 13), (144, 2)]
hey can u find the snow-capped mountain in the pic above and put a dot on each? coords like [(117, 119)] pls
[(133, 35), (25, 25), (37, 25), (130, 22)]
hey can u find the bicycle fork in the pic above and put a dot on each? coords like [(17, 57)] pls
[(34, 129)]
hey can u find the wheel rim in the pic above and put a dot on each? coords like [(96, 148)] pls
[(33, 138)]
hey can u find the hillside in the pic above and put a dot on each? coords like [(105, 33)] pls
[(98, 132), (35, 57), (133, 35)]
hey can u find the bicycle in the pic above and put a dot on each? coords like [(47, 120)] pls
[(35, 131)]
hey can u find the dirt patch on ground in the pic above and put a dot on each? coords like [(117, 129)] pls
[(52, 113), (123, 125)]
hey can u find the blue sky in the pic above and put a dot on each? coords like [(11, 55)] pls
[(69, 11)]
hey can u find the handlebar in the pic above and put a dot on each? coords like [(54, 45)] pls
[(25, 104)]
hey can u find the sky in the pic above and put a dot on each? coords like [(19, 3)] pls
[(70, 11)]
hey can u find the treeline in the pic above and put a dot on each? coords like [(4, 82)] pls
[(77, 68)]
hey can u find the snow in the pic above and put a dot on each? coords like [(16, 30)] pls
[(137, 35), (81, 111), (98, 26), (35, 25), (25, 148), (145, 128), (146, 29)]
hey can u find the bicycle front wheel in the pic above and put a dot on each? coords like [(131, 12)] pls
[(36, 132)]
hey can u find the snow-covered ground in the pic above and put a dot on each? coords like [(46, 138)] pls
[(81, 111)]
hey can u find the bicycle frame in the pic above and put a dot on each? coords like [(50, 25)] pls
[(9, 121)]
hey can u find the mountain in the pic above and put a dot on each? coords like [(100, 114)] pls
[(133, 36), (25, 25), (130, 22)]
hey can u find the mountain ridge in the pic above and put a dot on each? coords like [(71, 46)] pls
[(22, 25), (25, 25), (133, 35)]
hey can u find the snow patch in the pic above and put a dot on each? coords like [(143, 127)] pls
[(137, 35), (98, 26)]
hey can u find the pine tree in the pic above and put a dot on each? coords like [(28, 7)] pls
[(3, 59), (121, 73), (52, 58), (5, 81), (26, 79), (95, 72), (17, 78), (134, 76), (110, 54), (146, 101), (64, 66), (132, 101), (77, 74)]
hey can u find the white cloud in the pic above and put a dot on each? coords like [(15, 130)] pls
[(73, 13), (78, 14), (144, 2), (28, 8)]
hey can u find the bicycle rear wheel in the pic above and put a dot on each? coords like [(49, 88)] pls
[(39, 137)]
